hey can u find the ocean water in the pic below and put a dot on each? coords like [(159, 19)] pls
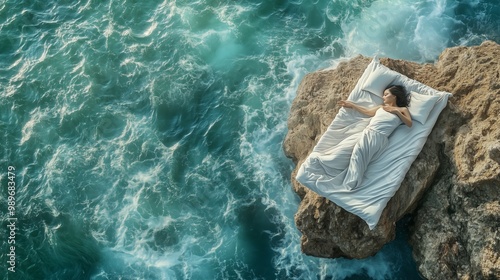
[(144, 138)]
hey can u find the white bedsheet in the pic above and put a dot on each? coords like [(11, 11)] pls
[(384, 174)]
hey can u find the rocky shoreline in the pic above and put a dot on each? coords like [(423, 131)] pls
[(452, 189)]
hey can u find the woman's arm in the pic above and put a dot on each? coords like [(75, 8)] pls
[(401, 112), (364, 110)]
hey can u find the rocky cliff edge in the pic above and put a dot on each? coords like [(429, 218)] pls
[(452, 190)]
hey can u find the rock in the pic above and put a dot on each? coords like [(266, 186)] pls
[(456, 230), (328, 230), (452, 188)]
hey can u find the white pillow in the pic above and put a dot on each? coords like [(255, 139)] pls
[(421, 106), (380, 78)]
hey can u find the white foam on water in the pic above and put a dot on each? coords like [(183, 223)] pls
[(376, 267), (264, 126), (27, 130), (297, 67), (402, 29), (232, 15)]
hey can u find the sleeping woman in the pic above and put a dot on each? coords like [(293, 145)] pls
[(374, 137), (343, 169)]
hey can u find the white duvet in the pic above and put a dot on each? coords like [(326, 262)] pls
[(324, 169)]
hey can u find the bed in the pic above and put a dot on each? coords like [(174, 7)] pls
[(384, 174)]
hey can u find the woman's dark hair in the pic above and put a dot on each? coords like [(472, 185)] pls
[(402, 99)]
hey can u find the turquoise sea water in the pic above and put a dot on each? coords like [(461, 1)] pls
[(144, 137)]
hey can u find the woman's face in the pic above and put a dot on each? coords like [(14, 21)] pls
[(388, 97)]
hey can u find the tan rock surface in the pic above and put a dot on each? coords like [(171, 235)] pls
[(456, 224)]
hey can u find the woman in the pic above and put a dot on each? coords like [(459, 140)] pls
[(374, 138)]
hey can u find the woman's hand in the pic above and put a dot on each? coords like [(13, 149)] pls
[(345, 103), (364, 110)]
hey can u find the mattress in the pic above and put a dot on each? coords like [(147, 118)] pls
[(385, 173)]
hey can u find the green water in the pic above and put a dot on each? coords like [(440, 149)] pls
[(146, 135)]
